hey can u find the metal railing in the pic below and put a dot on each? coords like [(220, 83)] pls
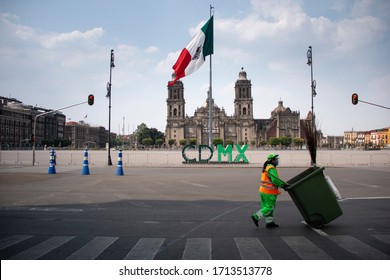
[(167, 158)]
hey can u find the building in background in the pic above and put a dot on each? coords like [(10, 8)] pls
[(376, 138), (17, 125), (17, 128), (240, 128), (81, 135)]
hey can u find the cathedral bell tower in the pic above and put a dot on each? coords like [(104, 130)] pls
[(175, 111), (243, 109), (243, 102)]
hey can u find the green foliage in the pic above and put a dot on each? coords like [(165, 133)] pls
[(192, 141), (285, 141), (263, 143), (274, 141), (298, 142), (230, 142), (217, 141), (171, 142), (182, 142), (159, 141), (147, 141), (143, 132), (253, 142)]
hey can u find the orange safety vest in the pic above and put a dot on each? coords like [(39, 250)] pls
[(266, 184)]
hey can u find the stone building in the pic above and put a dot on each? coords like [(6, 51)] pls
[(82, 135), (17, 124), (241, 127)]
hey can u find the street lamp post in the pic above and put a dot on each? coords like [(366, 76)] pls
[(313, 84), (311, 133), (112, 65)]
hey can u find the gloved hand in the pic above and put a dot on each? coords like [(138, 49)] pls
[(285, 186)]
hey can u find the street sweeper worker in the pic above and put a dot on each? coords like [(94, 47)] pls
[(269, 191)]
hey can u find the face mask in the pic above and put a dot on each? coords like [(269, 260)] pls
[(276, 162)]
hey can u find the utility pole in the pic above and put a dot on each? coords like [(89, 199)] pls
[(112, 65)]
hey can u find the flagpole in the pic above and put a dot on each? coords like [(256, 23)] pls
[(210, 100)]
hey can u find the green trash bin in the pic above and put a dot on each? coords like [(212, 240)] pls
[(314, 197)]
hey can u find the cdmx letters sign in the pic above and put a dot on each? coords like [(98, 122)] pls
[(222, 152)]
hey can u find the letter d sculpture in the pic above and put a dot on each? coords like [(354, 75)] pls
[(119, 169), (85, 170), (52, 164)]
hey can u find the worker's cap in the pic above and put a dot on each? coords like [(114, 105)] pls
[(272, 156)]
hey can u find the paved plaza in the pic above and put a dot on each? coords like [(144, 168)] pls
[(182, 212)]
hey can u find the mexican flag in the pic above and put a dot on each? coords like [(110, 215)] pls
[(193, 56)]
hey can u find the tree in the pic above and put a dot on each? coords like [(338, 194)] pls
[(142, 132), (182, 142), (159, 141), (217, 141), (263, 143), (253, 143), (192, 141), (229, 142), (171, 142), (274, 141), (298, 142), (147, 141), (285, 141)]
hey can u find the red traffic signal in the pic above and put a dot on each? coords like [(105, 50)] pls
[(355, 99), (91, 99)]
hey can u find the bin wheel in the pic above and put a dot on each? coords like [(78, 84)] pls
[(317, 221)]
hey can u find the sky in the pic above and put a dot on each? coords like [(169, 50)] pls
[(55, 53)]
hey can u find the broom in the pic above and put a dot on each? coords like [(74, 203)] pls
[(311, 137)]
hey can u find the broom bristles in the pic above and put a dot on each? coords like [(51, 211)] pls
[(311, 137)]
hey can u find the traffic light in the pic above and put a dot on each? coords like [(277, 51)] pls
[(91, 99), (355, 99)]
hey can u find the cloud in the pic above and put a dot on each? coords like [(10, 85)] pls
[(12, 31), (355, 33), (152, 49), (165, 66), (75, 37)]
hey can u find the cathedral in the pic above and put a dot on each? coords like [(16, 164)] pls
[(240, 128)]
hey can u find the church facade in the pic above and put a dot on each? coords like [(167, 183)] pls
[(240, 128)]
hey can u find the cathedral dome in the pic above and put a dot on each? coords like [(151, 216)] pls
[(279, 109)]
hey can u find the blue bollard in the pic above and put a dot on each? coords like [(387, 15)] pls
[(52, 164), (119, 169), (85, 170)]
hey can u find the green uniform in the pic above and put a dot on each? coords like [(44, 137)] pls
[(268, 193)]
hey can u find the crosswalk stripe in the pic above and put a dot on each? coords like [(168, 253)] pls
[(43, 248), (305, 249), (12, 240), (93, 248), (197, 249), (385, 238), (145, 249), (250, 248), (358, 248)]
